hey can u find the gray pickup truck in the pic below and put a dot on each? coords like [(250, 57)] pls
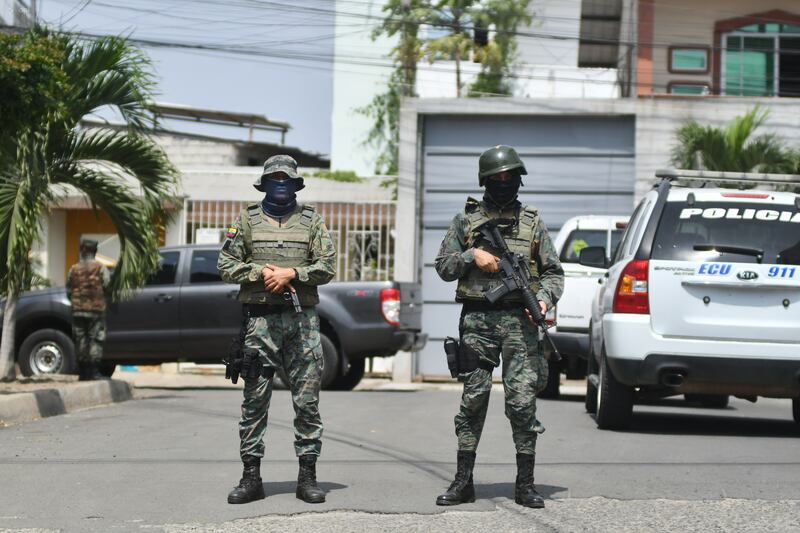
[(186, 313)]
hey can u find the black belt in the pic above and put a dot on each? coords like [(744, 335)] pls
[(474, 305), (256, 310)]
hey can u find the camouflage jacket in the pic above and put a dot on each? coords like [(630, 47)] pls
[(237, 265), (87, 284), (455, 258)]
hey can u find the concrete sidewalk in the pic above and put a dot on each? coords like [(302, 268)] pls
[(168, 380), (33, 398)]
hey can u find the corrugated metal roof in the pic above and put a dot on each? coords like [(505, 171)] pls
[(212, 116)]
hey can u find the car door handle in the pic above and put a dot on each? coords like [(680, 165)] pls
[(161, 298)]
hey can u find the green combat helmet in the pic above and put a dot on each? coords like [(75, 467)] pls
[(280, 163), (498, 159)]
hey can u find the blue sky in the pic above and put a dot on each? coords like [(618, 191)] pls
[(267, 76)]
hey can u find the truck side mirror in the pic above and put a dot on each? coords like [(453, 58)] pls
[(593, 256)]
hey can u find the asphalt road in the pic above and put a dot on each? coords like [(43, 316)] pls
[(167, 461)]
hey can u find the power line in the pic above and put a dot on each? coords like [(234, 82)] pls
[(552, 36), (349, 60)]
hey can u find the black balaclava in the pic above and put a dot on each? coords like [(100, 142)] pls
[(502, 193), (280, 198)]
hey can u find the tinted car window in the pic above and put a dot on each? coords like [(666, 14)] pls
[(633, 225), (204, 267), (582, 238), (167, 269), (773, 230)]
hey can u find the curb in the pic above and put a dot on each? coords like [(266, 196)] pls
[(27, 406)]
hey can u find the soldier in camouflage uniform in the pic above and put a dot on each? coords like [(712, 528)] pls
[(273, 247), (87, 283), (489, 332)]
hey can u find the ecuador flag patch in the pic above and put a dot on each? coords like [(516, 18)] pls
[(231, 233)]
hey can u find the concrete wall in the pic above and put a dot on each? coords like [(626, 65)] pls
[(188, 152), (237, 184), (537, 44), (688, 22), (56, 246), (354, 85)]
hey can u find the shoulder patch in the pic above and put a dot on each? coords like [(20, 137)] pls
[(231, 233)]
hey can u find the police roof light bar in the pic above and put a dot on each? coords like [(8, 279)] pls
[(731, 177)]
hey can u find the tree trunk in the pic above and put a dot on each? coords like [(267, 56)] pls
[(7, 359)]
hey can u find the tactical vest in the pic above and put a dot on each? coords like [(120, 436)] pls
[(287, 246), (520, 240), (87, 287)]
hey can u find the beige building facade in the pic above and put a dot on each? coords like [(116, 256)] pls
[(713, 47)]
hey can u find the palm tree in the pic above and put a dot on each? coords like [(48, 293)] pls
[(733, 148), (121, 172)]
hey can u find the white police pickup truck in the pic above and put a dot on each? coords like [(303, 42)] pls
[(571, 331), (703, 297)]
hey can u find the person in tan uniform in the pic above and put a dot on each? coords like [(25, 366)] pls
[(87, 283)]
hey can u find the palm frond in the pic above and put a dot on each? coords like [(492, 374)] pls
[(110, 72), (133, 154), (133, 219), (23, 197), (732, 148)]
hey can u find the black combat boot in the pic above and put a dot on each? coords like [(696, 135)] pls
[(525, 491), (249, 488), (93, 371), (83, 371), (461, 489), (307, 489)]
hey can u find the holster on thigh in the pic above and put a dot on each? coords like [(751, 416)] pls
[(470, 359)]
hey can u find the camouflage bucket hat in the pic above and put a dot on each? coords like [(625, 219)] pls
[(279, 163)]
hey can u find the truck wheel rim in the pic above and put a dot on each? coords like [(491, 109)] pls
[(46, 358)]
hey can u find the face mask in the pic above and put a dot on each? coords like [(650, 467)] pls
[(280, 198), (503, 192)]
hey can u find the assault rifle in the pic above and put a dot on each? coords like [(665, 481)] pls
[(516, 276)]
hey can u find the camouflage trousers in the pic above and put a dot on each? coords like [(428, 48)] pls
[(89, 335), (509, 335), (288, 342)]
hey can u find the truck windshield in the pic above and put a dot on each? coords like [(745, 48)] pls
[(581, 238), (732, 232)]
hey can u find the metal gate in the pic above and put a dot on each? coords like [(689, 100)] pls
[(363, 233), (577, 165)]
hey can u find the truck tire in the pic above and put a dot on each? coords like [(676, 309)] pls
[(550, 390), (614, 400), (796, 409), (711, 401), (351, 378), (330, 361), (47, 351), (591, 390)]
